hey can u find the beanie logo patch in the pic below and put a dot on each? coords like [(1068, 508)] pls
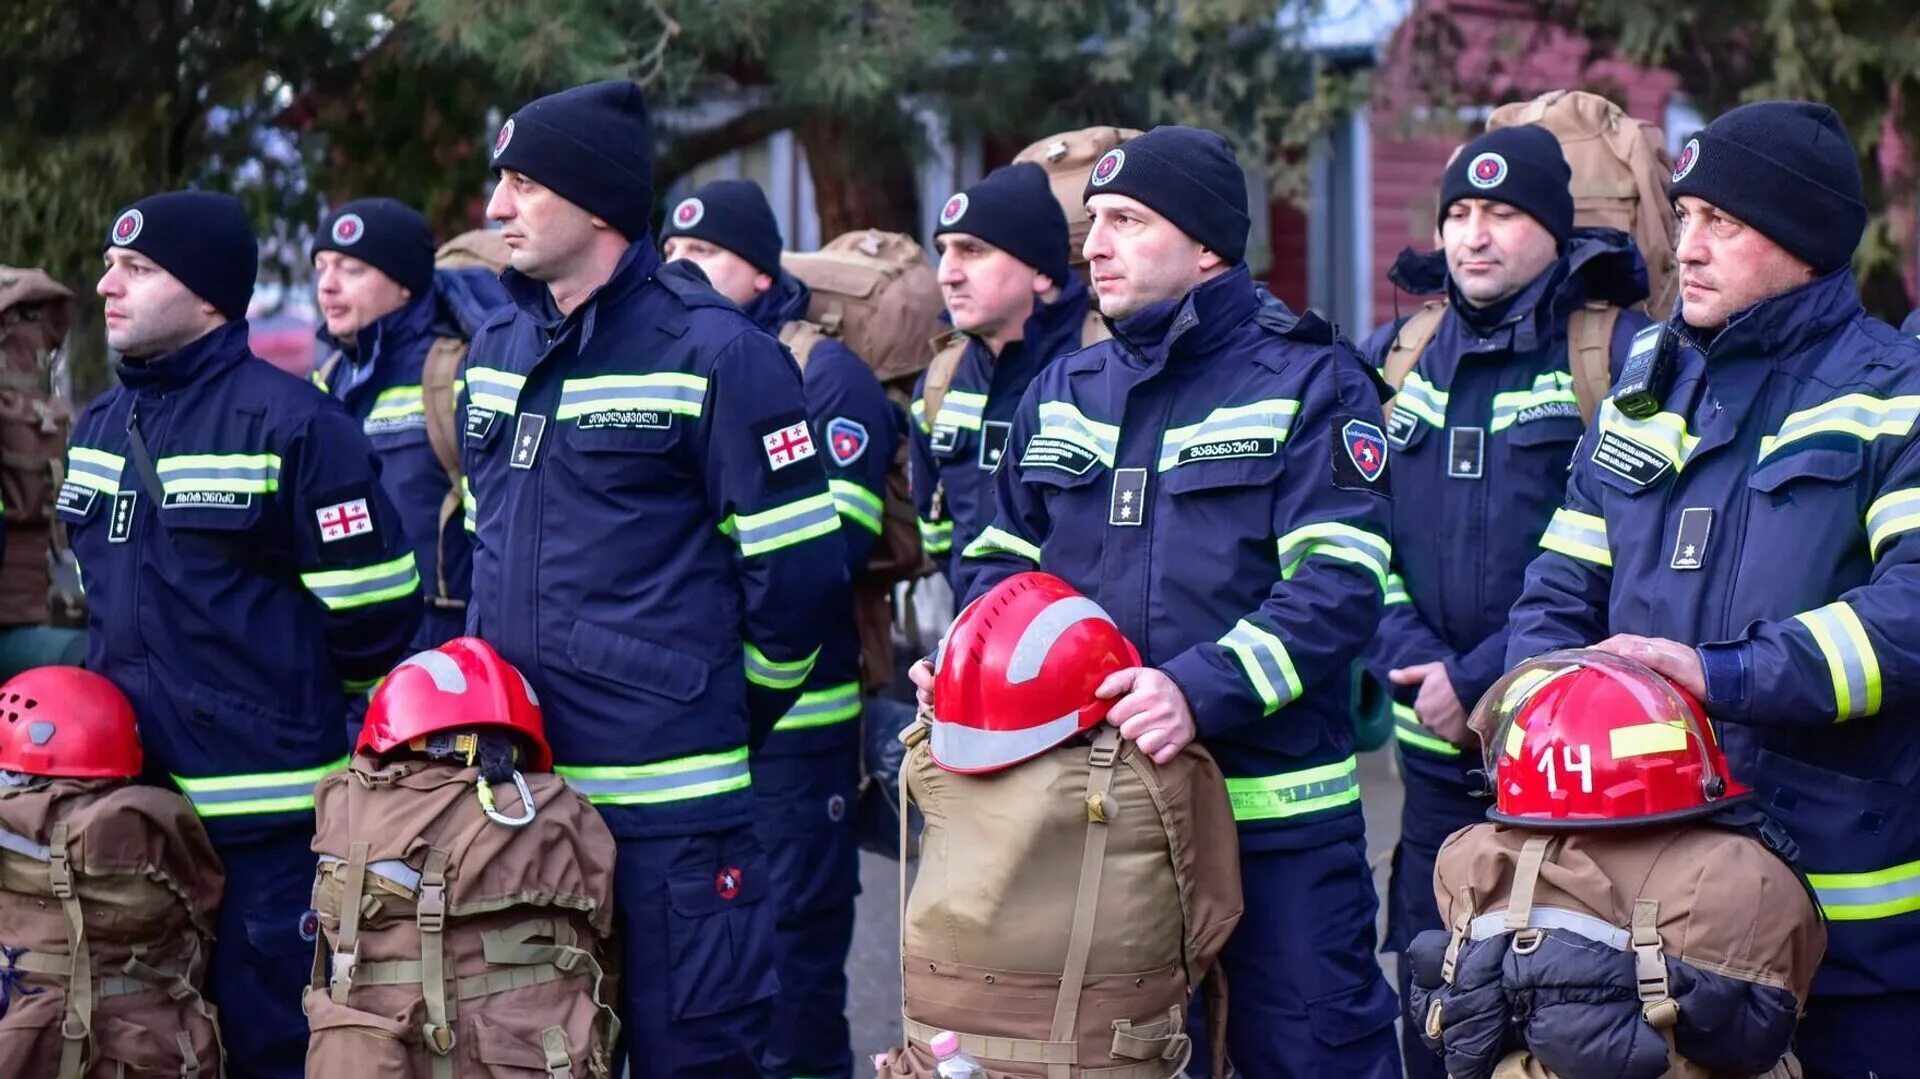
[(348, 230), (1108, 167), (505, 137), (1689, 157), (127, 229), (1489, 170), (689, 213), (954, 210)]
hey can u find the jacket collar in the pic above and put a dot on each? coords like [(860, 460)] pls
[(196, 361), (785, 302), (1197, 324), (1782, 328), (635, 268), (390, 333)]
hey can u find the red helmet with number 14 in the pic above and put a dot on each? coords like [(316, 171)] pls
[(1586, 739)]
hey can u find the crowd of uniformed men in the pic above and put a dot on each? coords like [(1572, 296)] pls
[(660, 518)]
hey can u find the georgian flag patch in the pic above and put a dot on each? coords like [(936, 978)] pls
[(343, 520), (788, 445)]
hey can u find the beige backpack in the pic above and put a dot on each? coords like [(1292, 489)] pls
[(1068, 158), (453, 944), (1589, 351), (1066, 910), (877, 292), (108, 897), (35, 312)]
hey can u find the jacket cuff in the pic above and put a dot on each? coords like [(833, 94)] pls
[(1728, 673)]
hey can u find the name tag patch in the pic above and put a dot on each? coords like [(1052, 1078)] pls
[(1400, 428), (1045, 451), (944, 438), (1556, 410), (393, 425), (75, 499), (627, 419), (480, 422), (219, 500), (1232, 447), (1626, 458)]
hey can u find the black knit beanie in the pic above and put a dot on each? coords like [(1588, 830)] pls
[(592, 145), (387, 235), (201, 238), (1187, 175), (1013, 209), (733, 214), (1520, 166)]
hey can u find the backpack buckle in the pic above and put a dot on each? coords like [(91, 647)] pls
[(431, 913), (439, 1039), (340, 983), (1528, 941), (1103, 755)]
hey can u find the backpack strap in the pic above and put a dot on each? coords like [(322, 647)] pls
[(1657, 1005), (346, 953), (76, 1029), (1086, 900), (430, 914), (1590, 354), (949, 349), (800, 337), (440, 387), (1409, 341), (323, 374)]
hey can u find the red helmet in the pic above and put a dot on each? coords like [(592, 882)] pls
[(1015, 675), (1584, 739), (63, 721), (461, 685)]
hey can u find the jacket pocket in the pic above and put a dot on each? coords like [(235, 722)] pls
[(637, 663), (720, 934), (347, 1043), (1225, 475)]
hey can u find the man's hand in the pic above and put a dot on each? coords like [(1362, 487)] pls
[(1680, 663), (1436, 705), (922, 675), (1151, 711)]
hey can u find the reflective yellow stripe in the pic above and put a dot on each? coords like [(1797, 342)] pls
[(1859, 897), (1578, 535), (264, 792), (918, 410), (234, 473), (1857, 414), (996, 540), (1550, 388), (345, 589), (1408, 728), (1266, 662), (1397, 590), (1663, 434), (469, 508), (95, 469), (936, 536), (1270, 419), (783, 526), (660, 391), (822, 708), (1891, 514), (1642, 739), (857, 504), (962, 410), (680, 780), (1293, 794), (1061, 420), (493, 389), (1330, 539), (397, 403), (1422, 400), (1851, 661), (777, 674)]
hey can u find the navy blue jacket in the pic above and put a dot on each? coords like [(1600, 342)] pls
[(273, 579), (1770, 515), (1215, 477), (378, 378), (858, 432), (1462, 536), (1912, 324), (655, 545), (953, 456)]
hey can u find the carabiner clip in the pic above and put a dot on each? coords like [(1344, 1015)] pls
[(526, 800)]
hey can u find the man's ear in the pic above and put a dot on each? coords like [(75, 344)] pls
[(1209, 261), (1042, 284), (762, 282)]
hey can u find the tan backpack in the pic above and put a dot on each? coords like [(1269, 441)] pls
[(877, 292), (35, 312), (1068, 158), (1066, 910), (1589, 351), (108, 898), (1689, 891), (951, 347), (453, 944)]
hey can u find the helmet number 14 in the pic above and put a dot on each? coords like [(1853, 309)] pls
[(1578, 763)]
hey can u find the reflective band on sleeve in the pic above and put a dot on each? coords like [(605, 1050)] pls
[(1266, 663), (1422, 400), (1643, 739), (1293, 794), (996, 540), (762, 671), (961, 409), (1850, 659), (1891, 514), (668, 781), (1408, 728), (919, 412), (1397, 590), (822, 708), (397, 403), (237, 473), (469, 508), (1859, 897), (1270, 419), (1551, 388), (783, 526), (667, 391), (1333, 540), (267, 792), (1578, 535), (1664, 434), (493, 389), (857, 504), (345, 589), (936, 537), (95, 469), (1061, 420), (1856, 414)]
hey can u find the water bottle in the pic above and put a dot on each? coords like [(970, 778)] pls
[(950, 1062)]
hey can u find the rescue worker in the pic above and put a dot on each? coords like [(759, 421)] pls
[(1215, 477), (384, 308), (807, 775), (1482, 430), (1912, 324), (1010, 291), (1740, 520), (656, 548), (243, 570)]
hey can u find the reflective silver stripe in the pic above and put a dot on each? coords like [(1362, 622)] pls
[(265, 792), (1551, 388), (1663, 433), (494, 390), (1488, 926), (96, 469), (392, 869), (594, 788), (20, 844), (1061, 419), (1851, 661), (1860, 415), (1858, 897), (1260, 419), (1422, 400), (962, 409), (782, 526), (1578, 535), (974, 748), (664, 391), (1030, 652)]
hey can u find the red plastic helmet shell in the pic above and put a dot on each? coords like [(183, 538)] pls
[(1586, 739), (461, 685), (69, 723), (1016, 673)]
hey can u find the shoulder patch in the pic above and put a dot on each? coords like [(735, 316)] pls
[(1360, 456), (846, 440)]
